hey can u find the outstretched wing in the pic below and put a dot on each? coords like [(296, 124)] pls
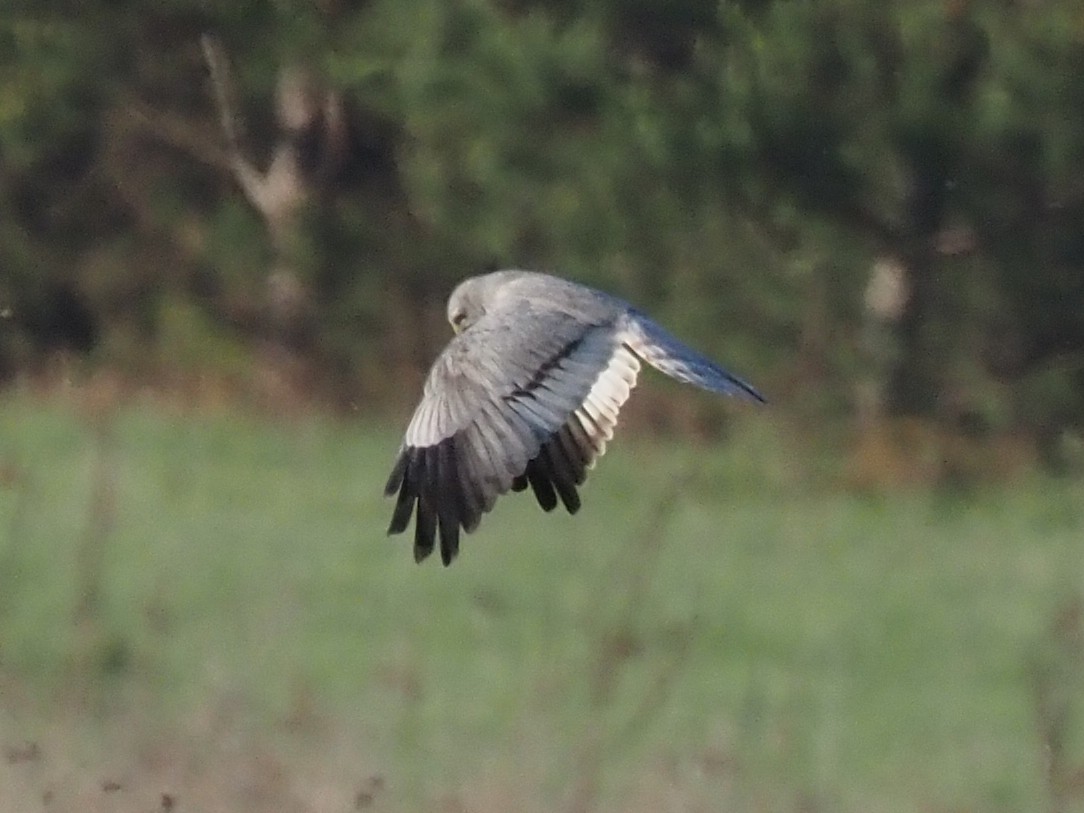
[(520, 398), (668, 354)]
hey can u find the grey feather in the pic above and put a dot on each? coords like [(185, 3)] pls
[(667, 354)]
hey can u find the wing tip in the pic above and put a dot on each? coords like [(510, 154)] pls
[(421, 476), (750, 392), (399, 470)]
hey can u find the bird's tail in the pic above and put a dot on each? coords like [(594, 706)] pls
[(655, 345)]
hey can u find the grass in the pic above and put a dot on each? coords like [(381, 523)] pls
[(202, 611)]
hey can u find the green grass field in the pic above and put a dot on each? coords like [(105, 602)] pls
[(201, 612)]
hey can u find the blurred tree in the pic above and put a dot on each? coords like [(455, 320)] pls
[(745, 165)]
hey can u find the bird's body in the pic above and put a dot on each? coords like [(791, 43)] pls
[(527, 393)]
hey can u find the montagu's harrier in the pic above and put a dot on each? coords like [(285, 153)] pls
[(526, 393)]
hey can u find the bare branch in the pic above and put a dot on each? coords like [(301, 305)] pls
[(219, 69), (175, 131), (250, 179)]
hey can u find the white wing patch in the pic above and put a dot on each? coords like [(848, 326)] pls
[(598, 413), (436, 418), (422, 430)]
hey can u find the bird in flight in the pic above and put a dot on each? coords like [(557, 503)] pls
[(527, 393)]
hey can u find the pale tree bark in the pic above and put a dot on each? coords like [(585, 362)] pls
[(310, 144)]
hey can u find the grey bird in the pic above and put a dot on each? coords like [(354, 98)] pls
[(526, 393)]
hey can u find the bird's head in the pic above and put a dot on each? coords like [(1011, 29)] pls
[(473, 296)]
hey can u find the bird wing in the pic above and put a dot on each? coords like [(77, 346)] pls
[(668, 354), (524, 397)]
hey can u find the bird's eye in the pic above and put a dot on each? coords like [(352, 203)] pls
[(458, 319)]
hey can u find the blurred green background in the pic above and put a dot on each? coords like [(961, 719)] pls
[(227, 232)]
